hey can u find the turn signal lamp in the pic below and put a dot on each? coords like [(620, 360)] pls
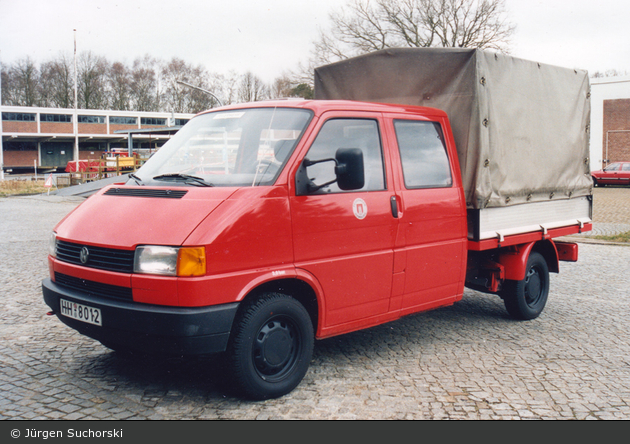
[(191, 261)]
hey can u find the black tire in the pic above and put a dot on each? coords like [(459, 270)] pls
[(594, 182), (526, 299), (271, 346)]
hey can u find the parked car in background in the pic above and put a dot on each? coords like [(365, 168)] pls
[(617, 173)]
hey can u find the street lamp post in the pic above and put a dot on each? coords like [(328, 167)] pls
[(75, 117), (200, 89)]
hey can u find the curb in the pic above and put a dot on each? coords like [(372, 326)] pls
[(589, 240)]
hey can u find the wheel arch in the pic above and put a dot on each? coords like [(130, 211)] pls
[(515, 258), (548, 250), (296, 288)]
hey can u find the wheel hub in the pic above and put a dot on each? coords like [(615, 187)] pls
[(275, 349), (532, 287)]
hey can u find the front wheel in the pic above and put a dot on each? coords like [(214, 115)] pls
[(526, 299), (271, 347)]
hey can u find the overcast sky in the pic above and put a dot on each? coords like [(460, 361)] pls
[(270, 37)]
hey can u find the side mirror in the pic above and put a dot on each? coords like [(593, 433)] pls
[(349, 172)]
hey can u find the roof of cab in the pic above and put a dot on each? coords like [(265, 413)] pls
[(321, 106)]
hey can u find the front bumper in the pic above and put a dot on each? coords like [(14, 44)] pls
[(148, 328)]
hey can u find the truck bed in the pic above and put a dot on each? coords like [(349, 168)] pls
[(521, 128)]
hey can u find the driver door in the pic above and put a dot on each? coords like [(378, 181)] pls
[(345, 239)]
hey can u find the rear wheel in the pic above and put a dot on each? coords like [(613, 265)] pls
[(526, 299), (271, 347)]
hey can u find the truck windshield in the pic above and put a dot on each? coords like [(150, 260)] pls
[(245, 147)]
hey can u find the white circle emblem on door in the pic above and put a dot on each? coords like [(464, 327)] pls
[(359, 207)]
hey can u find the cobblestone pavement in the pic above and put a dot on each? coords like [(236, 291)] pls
[(611, 211), (468, 361)]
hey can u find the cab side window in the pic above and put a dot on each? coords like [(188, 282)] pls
[(423, 154), (347, 133)]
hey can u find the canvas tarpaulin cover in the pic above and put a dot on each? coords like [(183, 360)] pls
[(521, 127)]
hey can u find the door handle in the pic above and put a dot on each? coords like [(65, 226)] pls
[(394, 204)]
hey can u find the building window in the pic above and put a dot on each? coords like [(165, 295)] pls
[(91, 119), (152, 121), (19, 146), (67, 118), (18, 117), (117, 120), (181, 122)]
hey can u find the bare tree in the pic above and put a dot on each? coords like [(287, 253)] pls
[(91, 79), (119, 81), (198, 99), (22, 84), (225, 86), (57, 82), (181, 98), (144, 91), (362, 26), (149, 84), (281, 87), (9, 90), (174, 95), (251, 88), (472, 24)]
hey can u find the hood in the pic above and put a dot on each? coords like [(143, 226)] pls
[(126, 216)]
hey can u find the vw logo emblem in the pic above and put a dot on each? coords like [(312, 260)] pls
[(84, 255)]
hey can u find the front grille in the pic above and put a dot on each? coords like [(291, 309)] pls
[(109, 259), (94, 288), (146, 192)]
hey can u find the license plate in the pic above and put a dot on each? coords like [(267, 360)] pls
[(81, 312)]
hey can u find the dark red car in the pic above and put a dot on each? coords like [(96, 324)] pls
[(617, 173)]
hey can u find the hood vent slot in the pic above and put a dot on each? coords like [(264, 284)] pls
[(146, 192)]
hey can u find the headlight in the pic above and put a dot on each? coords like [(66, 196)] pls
[(52, 244), (170, 261)]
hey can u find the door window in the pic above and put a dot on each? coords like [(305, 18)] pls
[(347, 133), (423, 154)]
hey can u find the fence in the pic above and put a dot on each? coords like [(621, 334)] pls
[(104, 168)]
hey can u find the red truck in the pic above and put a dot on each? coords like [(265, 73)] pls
[(261, 227)]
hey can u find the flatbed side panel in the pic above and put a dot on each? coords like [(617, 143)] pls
[(518, 239), (500, 222)]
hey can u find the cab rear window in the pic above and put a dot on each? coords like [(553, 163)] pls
[(423, 154)]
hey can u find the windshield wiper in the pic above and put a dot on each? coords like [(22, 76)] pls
[(136, 178), (192, 180)]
